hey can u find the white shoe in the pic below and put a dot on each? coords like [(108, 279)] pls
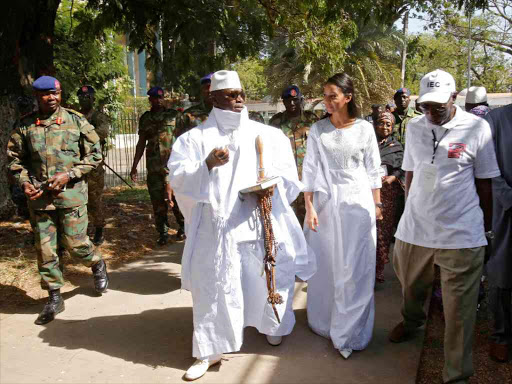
[(200, 367), (274, 340), (346, 352)]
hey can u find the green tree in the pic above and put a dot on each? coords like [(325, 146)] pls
[(217, 32), (444, 49), (83, 58), (252, 76), (311, 47)]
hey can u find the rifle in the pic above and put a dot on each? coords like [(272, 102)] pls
[(109, 167), (117, 174)]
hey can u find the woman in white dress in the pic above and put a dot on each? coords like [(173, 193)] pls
[(342, 177)]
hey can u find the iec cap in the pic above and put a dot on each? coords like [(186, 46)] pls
[(291, 91), (436, 87), (46, 83), (206, 79), (225, 80), (85, 90), (156, 92)]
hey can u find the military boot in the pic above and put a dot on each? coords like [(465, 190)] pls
[(98, 236), (181, 234), (163, 238), (99, 271), (54, 305)]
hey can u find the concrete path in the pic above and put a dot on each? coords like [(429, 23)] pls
[(140, 331)]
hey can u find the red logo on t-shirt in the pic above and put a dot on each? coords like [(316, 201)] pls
[(455, 150)]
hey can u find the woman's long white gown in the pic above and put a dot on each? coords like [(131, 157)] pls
[(341, 167)]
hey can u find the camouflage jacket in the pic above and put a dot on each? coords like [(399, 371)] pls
[(101, 124), (38, 149), (190, 118), (401, 124), (297, 130), (256, 116), (158, 129)]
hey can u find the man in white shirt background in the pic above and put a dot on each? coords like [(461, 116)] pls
[(449, 162)]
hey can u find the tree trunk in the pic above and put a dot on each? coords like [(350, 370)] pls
[(27, 53), (404, 49)]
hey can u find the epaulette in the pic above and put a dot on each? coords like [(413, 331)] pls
[(73, 112)]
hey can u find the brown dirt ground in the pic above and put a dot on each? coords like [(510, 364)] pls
[(487, 371), (129, 233)]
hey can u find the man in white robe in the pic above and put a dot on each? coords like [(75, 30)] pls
[(222, 263)]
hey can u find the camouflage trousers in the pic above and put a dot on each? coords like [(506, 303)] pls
[(61, 228), (96, 183), (156, 189)]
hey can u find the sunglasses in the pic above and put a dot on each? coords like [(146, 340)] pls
[(433, 109)]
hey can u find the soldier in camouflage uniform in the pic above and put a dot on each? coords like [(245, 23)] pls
[(156, 130), (50, 152), (197, 114), (295, 123), (95, 178), (257, 116), (403, 113)]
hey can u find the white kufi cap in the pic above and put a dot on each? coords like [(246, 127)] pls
[(476, 95), (225, 80), (436, 87)]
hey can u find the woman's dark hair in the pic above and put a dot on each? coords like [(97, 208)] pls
[(344, 82)]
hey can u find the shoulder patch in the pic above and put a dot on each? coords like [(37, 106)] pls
[(73, 112)]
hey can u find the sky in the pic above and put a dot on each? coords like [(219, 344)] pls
[(415, 25)]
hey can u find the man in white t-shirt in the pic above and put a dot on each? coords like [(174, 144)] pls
[(449, 162)]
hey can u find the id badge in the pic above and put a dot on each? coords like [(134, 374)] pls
[(427, 177)]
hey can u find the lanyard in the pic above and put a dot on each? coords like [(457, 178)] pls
[(436, 143)]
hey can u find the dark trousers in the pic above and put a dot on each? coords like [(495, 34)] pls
[(500, 306), (156, 188)]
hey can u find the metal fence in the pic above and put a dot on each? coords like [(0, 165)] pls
[(121, 150)]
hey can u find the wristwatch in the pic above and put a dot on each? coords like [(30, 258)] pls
[(71, 175), (379, 205), (489, 235)]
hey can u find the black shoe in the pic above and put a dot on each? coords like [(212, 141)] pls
[(163, 239), (180, 235), (54, 305), (99, 271), (98, 236)]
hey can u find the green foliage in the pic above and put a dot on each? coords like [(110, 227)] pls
[(372, 63), (136, 105), (307, 45), (447, 49), (83, 58), (198, 36), (252, 77), (128, 195), (311, 47)]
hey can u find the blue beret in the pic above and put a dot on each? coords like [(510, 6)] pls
[(46, 83), (291, 91), (406, 91), (156, 92), (206, 79), (85, 90)]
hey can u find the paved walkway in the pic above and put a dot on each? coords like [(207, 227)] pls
[(140, 331)]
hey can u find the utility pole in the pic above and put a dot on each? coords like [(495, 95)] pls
[(470, 12), (404, 49)]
